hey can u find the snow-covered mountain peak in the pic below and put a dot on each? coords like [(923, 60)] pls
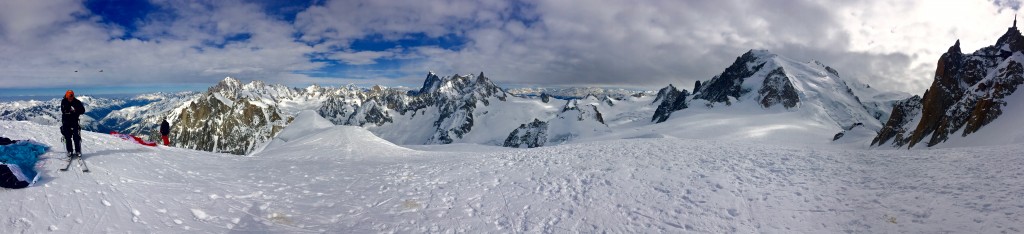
[(571, 104), (227, 84), (431, 83), (669, 99), (461, 86), (761, 53), (772, 80)]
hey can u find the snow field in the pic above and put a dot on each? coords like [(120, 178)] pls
[(340, 179)]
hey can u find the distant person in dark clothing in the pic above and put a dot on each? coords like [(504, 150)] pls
[(165, 129), (70, 110)]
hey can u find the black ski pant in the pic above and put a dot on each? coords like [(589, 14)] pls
[(72, 134)]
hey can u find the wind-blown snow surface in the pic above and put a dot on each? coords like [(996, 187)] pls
[(343, 179)]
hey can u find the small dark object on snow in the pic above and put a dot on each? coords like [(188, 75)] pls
[(7, 141), (838, 135)]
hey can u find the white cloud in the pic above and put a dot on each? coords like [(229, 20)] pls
[(652, 43), (361, 57), (891, 44), (187, 48), (21, 21)]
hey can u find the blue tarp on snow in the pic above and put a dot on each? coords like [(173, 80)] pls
[(25, 154)]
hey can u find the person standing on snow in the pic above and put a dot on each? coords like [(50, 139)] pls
[(70, 109), (165, 129)]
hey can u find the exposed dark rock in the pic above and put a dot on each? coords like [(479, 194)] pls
[(896, 128), (454, 97), (728, 84), (777, 89), (669, 100), (608, 100), (585, 112), (960, 96), (209, 124), (853, 126), (989, 106), (531, 135), (371, 113), (838, 135), (430, 84), (967, 93), (336, 110)]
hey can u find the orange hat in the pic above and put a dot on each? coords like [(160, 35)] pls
[(69, 94)]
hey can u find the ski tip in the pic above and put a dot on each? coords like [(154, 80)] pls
[(85, 170)]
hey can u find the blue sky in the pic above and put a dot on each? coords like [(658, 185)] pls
[(173, 45)]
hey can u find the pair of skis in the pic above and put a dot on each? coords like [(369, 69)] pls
[(81, 163)]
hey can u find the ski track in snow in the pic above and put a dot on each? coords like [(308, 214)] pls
[(345, 181)]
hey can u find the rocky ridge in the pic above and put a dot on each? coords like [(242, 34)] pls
[(967, 93)]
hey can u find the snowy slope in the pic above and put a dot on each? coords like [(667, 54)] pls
[(878, 103), (341, 179)]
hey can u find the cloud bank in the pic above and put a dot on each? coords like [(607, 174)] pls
[(890, 44)]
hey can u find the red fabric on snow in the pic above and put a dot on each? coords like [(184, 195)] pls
[(132, 138)]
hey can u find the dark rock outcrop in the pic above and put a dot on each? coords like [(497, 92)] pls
[(669, 100), (531, 135), (456, 100), (369, 113), (430, 84), (967, 93), (845, 129), (585, 112), (777, 89), (896, 128), (988, 106), (729, 83), (236, 127)]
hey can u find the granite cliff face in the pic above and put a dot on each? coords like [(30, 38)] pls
[(230, 117), (967, 93)]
